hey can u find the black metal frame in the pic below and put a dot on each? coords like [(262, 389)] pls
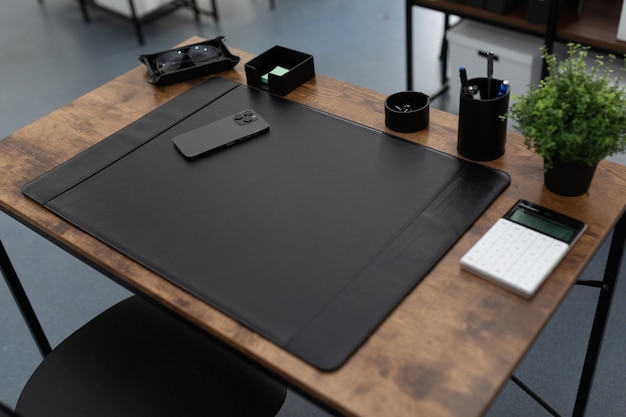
[(607, 290), (23, 303), (603, 308), (139, 21)]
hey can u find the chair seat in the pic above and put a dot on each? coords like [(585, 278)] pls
[(6, 411), (136, 360)]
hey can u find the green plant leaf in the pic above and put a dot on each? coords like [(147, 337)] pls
[(577, 112)]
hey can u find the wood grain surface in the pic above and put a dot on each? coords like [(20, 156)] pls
[(445, 351)]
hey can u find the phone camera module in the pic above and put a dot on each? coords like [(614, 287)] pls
[(245, 117)]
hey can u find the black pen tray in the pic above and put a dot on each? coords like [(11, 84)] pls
[(224, 61)]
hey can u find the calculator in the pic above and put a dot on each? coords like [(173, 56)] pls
[(521, 249)]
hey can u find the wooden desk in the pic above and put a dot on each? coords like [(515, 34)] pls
[(445, 351)]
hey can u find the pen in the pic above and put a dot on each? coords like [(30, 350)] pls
[(504, 87), (489, 72), (463, 75)]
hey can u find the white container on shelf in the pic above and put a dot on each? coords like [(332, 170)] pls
[(518, 57), (142, 7), (621, 28)]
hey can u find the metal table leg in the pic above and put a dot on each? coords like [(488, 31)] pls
[(607, 289), (409, 44)]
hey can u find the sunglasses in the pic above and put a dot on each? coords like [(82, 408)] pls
[(175, 60)]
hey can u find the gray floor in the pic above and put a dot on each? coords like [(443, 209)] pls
[(50, 57)]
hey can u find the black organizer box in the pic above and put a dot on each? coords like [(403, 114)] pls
[(300, 68), (224, 61)]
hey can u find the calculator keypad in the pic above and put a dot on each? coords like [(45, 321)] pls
[(514, 256)]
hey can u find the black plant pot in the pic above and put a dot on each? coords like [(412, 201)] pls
[(569, 178)]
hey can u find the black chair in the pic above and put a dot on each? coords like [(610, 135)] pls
[(136, 360), (7, 412)]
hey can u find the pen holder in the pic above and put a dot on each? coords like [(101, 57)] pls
[(482, 129)]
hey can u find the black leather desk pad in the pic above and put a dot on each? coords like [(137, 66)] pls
[(310, 234)]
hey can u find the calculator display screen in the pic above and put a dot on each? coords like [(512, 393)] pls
[(545, 226)]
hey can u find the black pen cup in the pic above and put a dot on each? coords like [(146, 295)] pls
[(482, 125), (407, 111)]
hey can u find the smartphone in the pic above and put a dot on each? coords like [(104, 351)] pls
[(220, 134)]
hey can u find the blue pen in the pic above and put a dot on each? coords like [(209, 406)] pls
[(468, 90), (463, 75), (504, 87)]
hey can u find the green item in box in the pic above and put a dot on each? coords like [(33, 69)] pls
[(278, 71)]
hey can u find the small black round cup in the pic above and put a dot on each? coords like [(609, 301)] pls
[(407, 111)]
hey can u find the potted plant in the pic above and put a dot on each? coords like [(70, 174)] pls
[(574, 118)]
